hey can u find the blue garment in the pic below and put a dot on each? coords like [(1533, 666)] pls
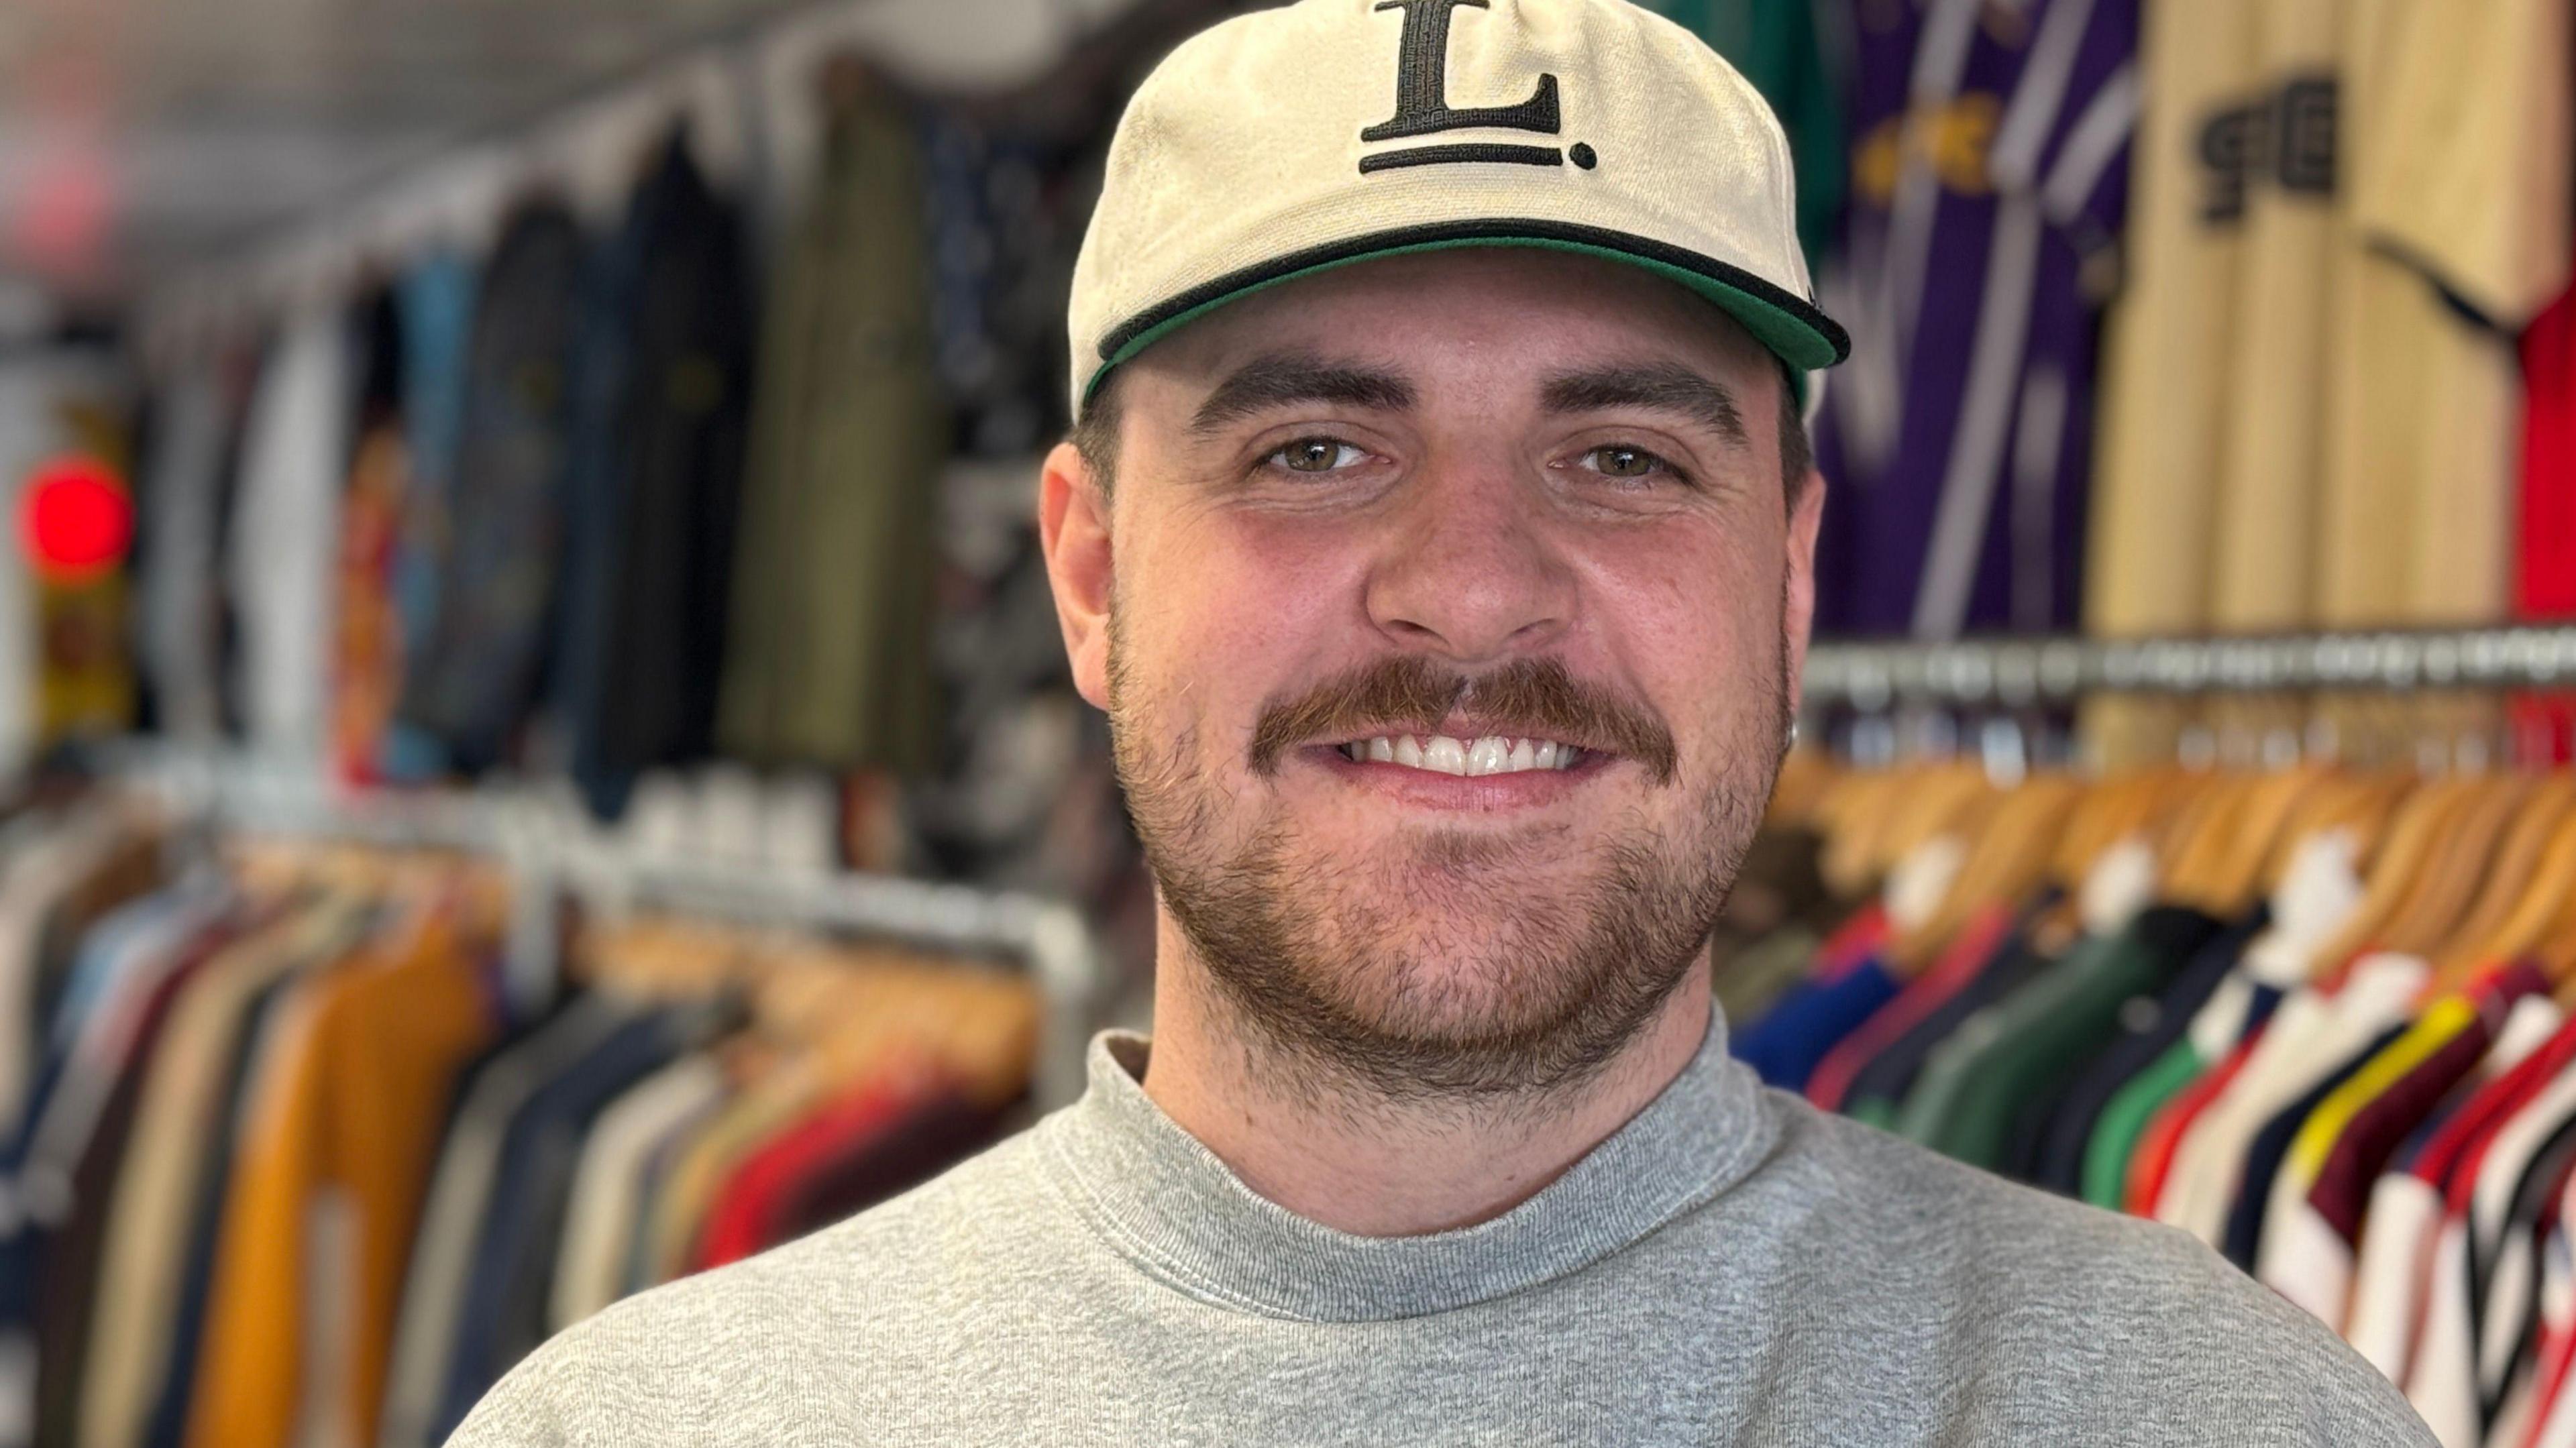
[(503, 1312), (2272, 1146), (1810, 1020)]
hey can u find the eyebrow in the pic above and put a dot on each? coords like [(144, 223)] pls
[(1661, 387), (1286, 379)]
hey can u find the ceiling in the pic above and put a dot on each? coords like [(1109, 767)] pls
[(140, 135)]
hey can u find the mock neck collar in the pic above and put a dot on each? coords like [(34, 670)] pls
[(1166, 1202)]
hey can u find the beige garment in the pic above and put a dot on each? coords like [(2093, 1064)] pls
[(2168, 359), (2458, 158), (2169, 352), (768, 1107), (151, 1215), (2271, 455), (604, 1212)]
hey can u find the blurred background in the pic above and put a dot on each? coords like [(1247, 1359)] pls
[(538, 751)]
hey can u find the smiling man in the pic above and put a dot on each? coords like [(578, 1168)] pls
[(1437, 534)]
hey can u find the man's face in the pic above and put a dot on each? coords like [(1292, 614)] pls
[(1445, 608)]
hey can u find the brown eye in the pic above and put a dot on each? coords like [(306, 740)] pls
[(1314, 455), (1624, 462)]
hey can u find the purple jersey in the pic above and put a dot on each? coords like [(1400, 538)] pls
[(1989, 177)]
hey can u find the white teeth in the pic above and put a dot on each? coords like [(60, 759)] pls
[(1449, 754)]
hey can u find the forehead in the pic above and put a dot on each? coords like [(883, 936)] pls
[(1489, 317)]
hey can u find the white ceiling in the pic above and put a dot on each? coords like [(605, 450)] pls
[(139, 136)]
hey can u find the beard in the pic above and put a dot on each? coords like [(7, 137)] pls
[(1450, 966)]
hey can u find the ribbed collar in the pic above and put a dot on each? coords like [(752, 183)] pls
[(1166, 1202)]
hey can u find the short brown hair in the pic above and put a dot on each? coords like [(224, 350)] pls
[(1095, 436)]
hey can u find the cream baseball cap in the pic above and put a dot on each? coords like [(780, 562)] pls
[(1283, 142)]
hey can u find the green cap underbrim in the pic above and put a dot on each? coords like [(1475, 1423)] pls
[(1793, 328)]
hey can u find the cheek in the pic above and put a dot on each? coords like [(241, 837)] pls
[(1221, 615), (1693, 615)]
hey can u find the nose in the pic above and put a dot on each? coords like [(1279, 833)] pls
[(1468, 571)]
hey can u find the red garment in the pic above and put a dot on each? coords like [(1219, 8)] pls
[(1854, 941), (1966, 959), (2152, 1160), (2491, 1105), (747, 1210), (2545, 585)]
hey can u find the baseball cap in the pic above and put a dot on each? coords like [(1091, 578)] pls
[(1287, 141)]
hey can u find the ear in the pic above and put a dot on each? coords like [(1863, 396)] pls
[(1800, 595), (1073, 528)]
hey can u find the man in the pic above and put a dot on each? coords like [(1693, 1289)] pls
[(1437, 535)]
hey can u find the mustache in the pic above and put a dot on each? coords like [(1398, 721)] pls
[(1541, 695)]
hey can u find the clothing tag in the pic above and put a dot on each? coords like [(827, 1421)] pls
[(2528, 1026), (2214, 1029), (2120, 884), (1922, 880), (2317, 894)]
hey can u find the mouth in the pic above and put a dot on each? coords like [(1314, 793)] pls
[(1470, 756)]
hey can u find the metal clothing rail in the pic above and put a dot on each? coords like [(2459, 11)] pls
[(554, 855), (2017, 673)]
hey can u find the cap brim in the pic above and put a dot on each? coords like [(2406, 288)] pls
[(1791, 326)]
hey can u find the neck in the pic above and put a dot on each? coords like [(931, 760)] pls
[(1351, 1159)]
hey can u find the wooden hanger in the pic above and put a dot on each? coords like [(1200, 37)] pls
[(2547, 909), (1805, 778), (2517, 862), (2429, 920), (2110, 812), (2226, 873), (2010, 852), (2403, 855), (2359, 803)]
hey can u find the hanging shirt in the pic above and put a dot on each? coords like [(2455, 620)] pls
[(2405, 1214), (1989, 186), (1810, 1020), (285, 528), (1967, 957), (471, 687), (2308, 1036), (468, 1165), (2456, 159), (340, 1130), (159, 1200), (2005, 1061), (2312, 1223), (1739, 1228), (2146, 1026), (599, 1223)]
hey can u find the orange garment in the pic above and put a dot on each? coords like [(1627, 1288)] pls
[(340, 1133)]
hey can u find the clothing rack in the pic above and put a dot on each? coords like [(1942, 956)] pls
[(2022, 673), (555, 855)]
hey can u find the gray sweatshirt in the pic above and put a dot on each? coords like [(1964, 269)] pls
[(1732, 1267)]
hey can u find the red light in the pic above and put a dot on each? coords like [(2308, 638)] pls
[(74, 518)]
